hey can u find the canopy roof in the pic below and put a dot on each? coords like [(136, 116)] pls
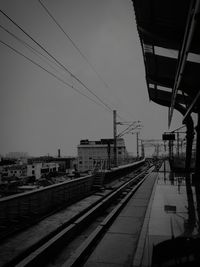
[(169, 32)]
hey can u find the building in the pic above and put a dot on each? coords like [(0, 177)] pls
[(17, 155), (39, 169), (15, 170), (89, 152), (65, 163), (6, 163)]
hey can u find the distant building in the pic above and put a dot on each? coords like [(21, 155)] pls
[(5, 161), (41, 159), (39, 169), (65, 163), (17, 155), (17, 170), (91, 151)]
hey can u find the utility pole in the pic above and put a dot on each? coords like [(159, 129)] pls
[(137, 139), (178, 144), (115, 137), (170, 149), (108, 150), (142, 149)]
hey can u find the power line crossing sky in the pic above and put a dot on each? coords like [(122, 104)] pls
[(38, 113)]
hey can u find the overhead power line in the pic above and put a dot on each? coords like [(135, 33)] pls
[(56, 62), (31, 48), (52, 74), (72, 42), (35, 51), (129, 128), (75, 46), (49, 54)]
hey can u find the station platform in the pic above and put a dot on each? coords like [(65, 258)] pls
[(172, 227), (159, 211), (15, 246), (119, 244)]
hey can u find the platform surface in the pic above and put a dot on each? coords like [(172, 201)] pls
[(18, 243), (169, 216), (161, 210), (118, 245)]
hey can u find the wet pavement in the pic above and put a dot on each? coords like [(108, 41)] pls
[(168, 211), (170, 217), (118, 245)]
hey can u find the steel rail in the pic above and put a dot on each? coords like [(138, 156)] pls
[(86, 247), (39, 255)]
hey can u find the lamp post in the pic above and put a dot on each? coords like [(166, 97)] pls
[(142, 149), (115, 137), (131, 131), (137, 140), (131, 126)]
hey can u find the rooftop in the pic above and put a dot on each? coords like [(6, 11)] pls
[(170, 40), (101, 141)]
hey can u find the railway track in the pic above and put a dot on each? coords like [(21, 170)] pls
[(71, 245), (22, 211)]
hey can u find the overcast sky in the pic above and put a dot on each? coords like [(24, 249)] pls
[(39, 114)]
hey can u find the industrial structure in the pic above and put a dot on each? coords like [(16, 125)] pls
[(91, 152), (170, 41)]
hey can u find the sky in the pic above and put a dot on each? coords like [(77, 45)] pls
[(40, 114)]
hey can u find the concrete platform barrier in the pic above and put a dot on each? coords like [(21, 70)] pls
[(25, 208), (21, 208)]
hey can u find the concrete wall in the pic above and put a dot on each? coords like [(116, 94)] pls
[(34, 205)]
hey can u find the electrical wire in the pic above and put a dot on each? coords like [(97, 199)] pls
[(36, 52), (128, 129), (49, 54), (56, 62), (32, 49), (49, 72), (72, 42), (74, 45)]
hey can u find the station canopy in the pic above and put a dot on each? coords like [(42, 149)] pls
[(169, 33)]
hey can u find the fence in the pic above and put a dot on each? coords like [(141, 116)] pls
[(28, 207)]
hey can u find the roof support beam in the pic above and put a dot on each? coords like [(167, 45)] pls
[(189, 31), (189, 111)]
